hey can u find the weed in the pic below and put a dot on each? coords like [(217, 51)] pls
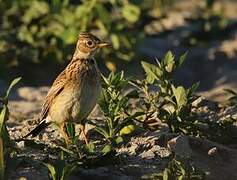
[(177, 168), (181, 169), (61, 169), (169, 104), (114, 103), (6, 150)]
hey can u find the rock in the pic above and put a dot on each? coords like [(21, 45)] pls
[(151, 153), (20, 145), (180, 146), (198, 101), (202, 102), (212, 152)]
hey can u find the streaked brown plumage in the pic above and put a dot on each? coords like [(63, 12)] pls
[(74, 93)]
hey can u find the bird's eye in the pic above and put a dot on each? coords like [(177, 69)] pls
[(89, 43)]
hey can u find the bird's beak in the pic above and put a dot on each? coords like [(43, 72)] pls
[(103, 44)]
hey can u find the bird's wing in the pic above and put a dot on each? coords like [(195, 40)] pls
[(54, 91)]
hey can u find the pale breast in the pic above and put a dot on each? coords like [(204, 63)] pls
[(86, 99), (78, 98)]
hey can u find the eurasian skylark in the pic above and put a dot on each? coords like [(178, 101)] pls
[(74, 93)]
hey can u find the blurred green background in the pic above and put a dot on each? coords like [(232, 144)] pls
[(37, 37)]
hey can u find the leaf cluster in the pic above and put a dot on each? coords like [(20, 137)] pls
[(114, 102), (169, 103), (45, 32), (61, 169)]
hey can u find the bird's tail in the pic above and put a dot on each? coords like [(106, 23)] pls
[(43, 124)]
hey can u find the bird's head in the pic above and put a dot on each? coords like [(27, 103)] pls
[(87, 46)]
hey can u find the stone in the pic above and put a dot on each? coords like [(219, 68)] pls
[(180, 146)]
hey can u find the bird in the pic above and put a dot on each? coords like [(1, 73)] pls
[(74, 93)]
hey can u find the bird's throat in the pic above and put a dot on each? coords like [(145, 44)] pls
[(83, 55)]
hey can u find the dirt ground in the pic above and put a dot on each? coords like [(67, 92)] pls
[(214, 64), (142, 155)]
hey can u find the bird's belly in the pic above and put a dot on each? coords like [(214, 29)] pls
[(85, 101), (75, 104)]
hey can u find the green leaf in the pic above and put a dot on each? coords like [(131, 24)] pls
[(193, 88), (13, 83), (91, 147), (62, 155), (67, 170), (152, 72), (180, 95), (66, 150), (182, 59), (119, 140), (127, 129), (168, 62), (3, 115), (102, 131), (107, 148), (170, 67), (70, 130), (104, 79), (116, 78), (166, 174), (150, 79), (182, 169), (131, 12), (52, 171), (5, 136), (168, 59)]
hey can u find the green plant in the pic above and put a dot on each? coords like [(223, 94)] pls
[(169, 103), (177, 168), (115, 105), (6, 150), (61, 169), (181, 169)]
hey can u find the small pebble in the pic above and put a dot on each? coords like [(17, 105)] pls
[(212, 151), (21, 144)]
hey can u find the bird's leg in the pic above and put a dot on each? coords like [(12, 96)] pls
[(64, 134), (83, 123)]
